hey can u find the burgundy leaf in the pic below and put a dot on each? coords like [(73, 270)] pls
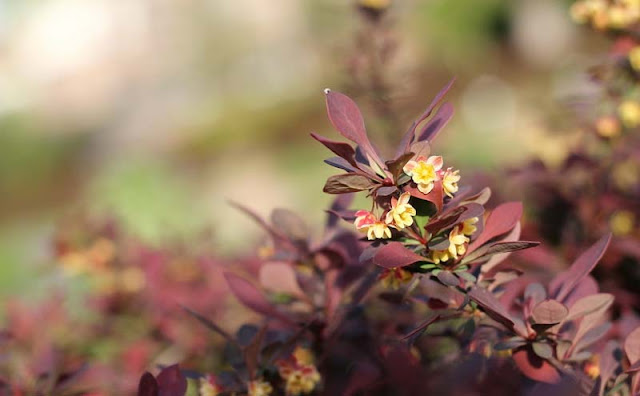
[(340, 184), (632, 346), (290, 224), (498, 248), (340, 163), (251, 297), (542, 349), (549, 312), (436, 195), (589, 304), (431, 129), (492, 307), (535, 367), (280, 277), (534, 294), (608, 363), (252, 352), (410, 135), (590, 337), (148, 385), (386, 191), (394, 255), (346, 118), (448, 278), (413, 335), (500, 221), (341, 149), (395, 166), (420, 149), (579, 269), (340, 203), (171, 382)]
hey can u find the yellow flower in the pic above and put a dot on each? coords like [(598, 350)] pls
[(450, 181), (424, 172), (375, 228), (394, 277), (629, 112), (401, 213), (621, 222), (300, 374), (608, 126), (468, 226), (375, 4), (259, 388), (456, 247), (634, 58), (208, 387)]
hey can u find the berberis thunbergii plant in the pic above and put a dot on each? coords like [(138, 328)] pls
[(420, 302)]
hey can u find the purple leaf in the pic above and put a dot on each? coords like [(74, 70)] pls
[(549, 312), (632, 346), (589, 304), (171, 382), (252, 298), (346, 118), (431, 129), (290, 224), (448, 278), (148, 385), (395, 255), (395, 166), (280, 277), (492, 307), (340, 184), (341, 149), (435, 196), (410, 135), (579, 269), (500, 221), (413, 335), (340, 163), (498, 248), (339, 204), (608, 363)]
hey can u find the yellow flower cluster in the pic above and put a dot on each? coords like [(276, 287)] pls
[(458, 238), (399, 216), (394, 277), (426, 171), (606, 14), (208, 387), (299, 373), (259, 387)]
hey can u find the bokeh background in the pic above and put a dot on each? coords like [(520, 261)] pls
[(158, 112)]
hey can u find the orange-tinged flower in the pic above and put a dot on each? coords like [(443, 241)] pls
[(629, 112), (634, 58), (450, 181), (209, 387), (608, 126), (259, 388), (457, 241), (300, 374), (424, 172), (395, 277), (374, 227), (401, 213), (468, 227)]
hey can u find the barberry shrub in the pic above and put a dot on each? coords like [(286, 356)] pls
[(424, 300)]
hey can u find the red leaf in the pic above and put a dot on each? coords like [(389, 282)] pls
[(394, 255), (346, 118), (435, 196), (343, 150), (431, 129), (501, 220), (632, 346), (171, 382), (251, 297), (535, 367), (579, 269), (549, 312), (148, 385)]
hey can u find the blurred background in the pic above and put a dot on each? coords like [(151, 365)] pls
[(158, 112)]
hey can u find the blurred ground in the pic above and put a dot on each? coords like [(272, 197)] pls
[(160, 111)]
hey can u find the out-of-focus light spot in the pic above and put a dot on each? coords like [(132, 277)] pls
[(489, 104), (542, 33), (60, 37)]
